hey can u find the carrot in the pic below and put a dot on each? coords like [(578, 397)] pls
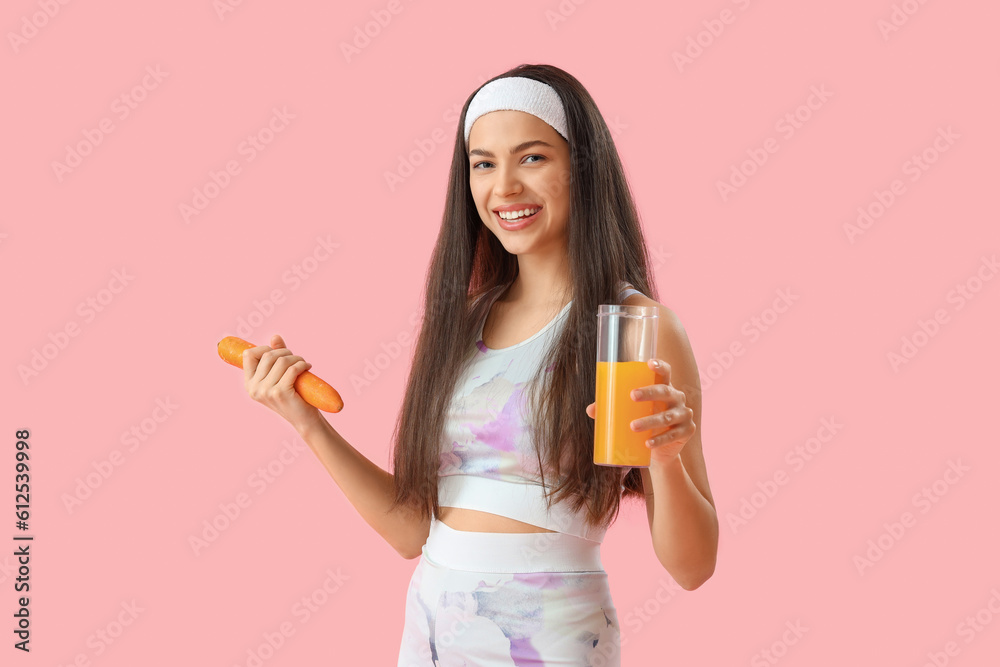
[(313, 390)]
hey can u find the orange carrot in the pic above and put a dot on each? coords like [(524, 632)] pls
[(313, 390)]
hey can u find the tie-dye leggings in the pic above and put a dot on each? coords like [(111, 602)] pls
[(490, 599)]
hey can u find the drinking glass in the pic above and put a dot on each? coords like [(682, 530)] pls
[(626, 341)]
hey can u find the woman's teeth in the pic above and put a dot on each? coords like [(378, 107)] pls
[(517, 215)]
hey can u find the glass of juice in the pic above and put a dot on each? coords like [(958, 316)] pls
[(626, 341)]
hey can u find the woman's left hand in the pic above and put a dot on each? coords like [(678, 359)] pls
[(672, 421)]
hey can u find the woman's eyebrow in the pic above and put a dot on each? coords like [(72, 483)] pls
[(516, 149)]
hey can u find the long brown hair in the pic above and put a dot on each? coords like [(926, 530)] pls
[(606, 247)]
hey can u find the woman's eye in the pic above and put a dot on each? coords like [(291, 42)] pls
[(476, 165)]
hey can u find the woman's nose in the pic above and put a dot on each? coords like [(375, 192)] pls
[(506, 181)]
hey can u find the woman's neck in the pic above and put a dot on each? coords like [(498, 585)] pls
[(540, 282)]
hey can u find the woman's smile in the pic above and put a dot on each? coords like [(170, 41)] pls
[(517, 223)]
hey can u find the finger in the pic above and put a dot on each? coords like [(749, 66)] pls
[(650, 392), (287, 380), (660, 420), (273, 364), (251, 359), (277, 341), (266, 363), (662, 396), (662, 369), (592, 410), (675, 432)]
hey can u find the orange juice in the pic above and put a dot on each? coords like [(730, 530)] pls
[(615, 443)]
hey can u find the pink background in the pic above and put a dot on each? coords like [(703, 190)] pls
[(720, 263)]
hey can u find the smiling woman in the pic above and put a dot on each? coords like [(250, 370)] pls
[(494, 485), (494, 443)]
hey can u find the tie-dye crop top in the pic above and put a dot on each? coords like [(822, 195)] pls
[(487, 458)]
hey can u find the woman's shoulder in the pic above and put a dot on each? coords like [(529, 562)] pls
[(640, 299), (667, 316)]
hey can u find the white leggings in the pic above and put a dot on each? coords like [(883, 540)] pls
[(512, 599)]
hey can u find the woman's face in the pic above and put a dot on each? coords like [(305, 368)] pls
[(534, 176)]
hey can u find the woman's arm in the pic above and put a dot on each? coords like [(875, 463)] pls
[(682, 518), (367, 487)]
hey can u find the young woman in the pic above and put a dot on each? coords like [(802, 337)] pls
[(494, 486)]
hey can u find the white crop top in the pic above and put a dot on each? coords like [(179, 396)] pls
[(487, 457)]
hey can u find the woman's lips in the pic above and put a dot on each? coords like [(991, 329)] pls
[(520, 223)]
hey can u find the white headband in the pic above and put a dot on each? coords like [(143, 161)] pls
[(518, 93)]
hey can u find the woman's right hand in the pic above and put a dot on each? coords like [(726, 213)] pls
[(269, 374)]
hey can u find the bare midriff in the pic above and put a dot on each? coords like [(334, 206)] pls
[(460, 518)]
